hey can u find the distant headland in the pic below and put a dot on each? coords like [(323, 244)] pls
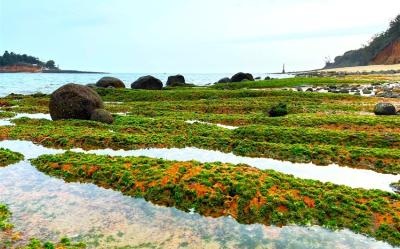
[(383, 49), (22, 63)]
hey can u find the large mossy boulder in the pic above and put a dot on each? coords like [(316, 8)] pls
[(239, 77), (176, 80), (103, 116), (147, 82), (110, 82), (385, 109), (73, 101)]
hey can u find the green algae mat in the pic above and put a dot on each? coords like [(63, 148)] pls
[(8, 157), (247, 194), (320, 128)]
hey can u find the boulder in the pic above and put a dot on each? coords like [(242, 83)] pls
[(385, 109), (110, 82), (239, 77), (73, 101), (278, 110), (147, 82), (101, 115), (224, 80), (176, 80)]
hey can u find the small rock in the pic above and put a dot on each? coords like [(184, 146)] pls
[(384, 109), (101, 115)]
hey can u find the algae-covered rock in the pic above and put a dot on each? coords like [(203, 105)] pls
[(73, 101), (239, 77), (103, 116), (107, 82), (147, 82), (278, 110), (176, 80)]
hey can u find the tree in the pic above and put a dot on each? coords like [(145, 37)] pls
[(50, 64)]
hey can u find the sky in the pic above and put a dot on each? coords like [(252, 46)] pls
[(190, 36)]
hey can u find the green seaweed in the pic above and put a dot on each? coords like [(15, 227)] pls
[(247, 194)]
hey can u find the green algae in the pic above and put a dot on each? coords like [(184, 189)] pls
[(247, 194), (376, 151), (8, 157)]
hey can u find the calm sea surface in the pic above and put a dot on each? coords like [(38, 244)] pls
[(28, 83)]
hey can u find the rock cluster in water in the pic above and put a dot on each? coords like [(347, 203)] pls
[(73, 101), (384, 90)]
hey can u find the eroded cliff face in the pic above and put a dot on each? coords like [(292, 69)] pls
[(20, 69), (389, 55)]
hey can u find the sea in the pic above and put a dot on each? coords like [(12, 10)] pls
[(29, 83)]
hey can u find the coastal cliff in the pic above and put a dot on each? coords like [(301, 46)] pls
[(388, 56), (20, 69), (384, 49)]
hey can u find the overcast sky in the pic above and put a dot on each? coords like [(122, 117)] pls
[(190, 36)]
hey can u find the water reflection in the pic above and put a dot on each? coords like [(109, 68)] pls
[(47, 208)]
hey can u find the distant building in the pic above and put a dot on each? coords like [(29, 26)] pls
[(283, 70)]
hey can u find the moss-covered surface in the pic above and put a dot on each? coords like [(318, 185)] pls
[(249, 195), (8, 157), (320, 128), (11, 239), (297, 81)]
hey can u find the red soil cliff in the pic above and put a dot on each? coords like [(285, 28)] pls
[(20, 69), (389, 55)]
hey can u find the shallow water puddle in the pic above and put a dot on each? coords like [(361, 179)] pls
[(207, 123), (356, 178), (48, 208), (7, 122)]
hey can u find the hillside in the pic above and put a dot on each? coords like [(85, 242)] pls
[(384, 48)]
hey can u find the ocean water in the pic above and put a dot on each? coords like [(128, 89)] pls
[(28, 83)]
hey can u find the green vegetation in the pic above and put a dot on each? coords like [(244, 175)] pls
[(5, 215), (365, 55), (247, 194), (293, 82), (8, 157), (11, 59), (321, 128)]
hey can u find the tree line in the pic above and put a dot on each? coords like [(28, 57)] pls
[(11, 59)]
